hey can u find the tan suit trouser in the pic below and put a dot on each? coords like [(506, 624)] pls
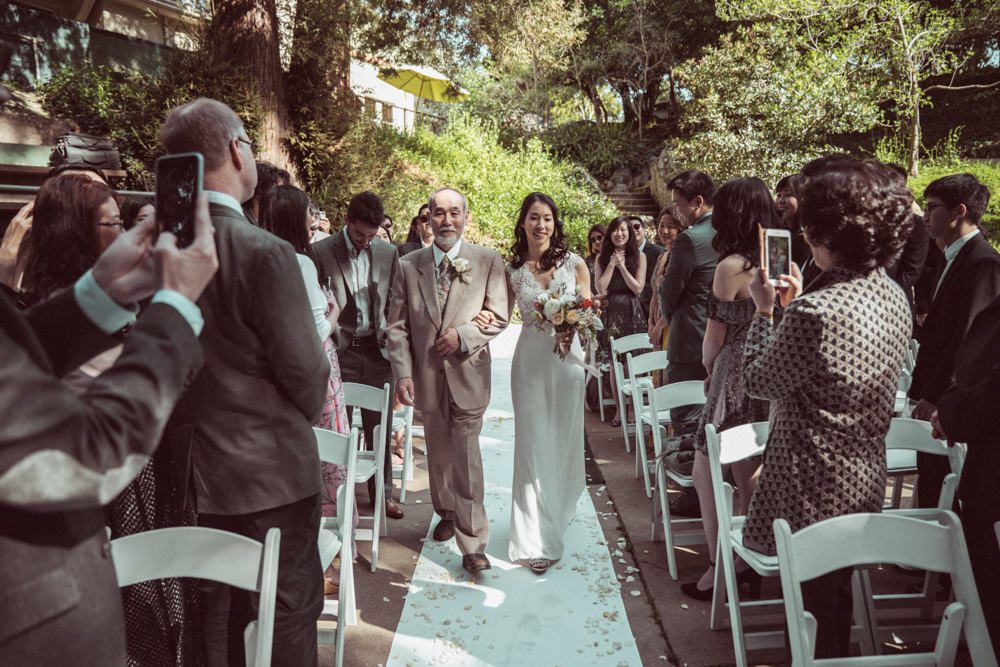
[(455, 467)]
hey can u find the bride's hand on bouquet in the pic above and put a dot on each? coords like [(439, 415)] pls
[(484, 319)]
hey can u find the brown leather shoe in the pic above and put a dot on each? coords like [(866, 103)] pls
[(393, 510), (444, 531), (475, 562)]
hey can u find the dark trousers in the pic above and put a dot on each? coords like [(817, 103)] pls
[(984, 556), (365, 364), (227, 610), (830, 600), (932, 469), (685, 419)]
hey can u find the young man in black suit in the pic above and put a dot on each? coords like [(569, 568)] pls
[(970, 282), (652, 253)]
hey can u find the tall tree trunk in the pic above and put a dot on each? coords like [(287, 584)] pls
[(249, 29), (913, 169), (629, 115)]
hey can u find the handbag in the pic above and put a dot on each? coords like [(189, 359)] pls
[(78, 148)]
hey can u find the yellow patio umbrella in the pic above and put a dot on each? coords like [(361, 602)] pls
[(423, 82)]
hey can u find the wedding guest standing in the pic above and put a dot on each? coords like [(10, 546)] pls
[(441, 360), (742, 207), (687, 282), (421, 234), (831, 370), (595, 238), (668, 226), (652, 253), (966, 413), (547, 390), (621, 276), (969, 282), (359, 269), (245, 424)]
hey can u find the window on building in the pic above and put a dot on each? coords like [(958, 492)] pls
[(387, 112)]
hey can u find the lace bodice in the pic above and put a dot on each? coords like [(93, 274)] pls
[(527, 288)]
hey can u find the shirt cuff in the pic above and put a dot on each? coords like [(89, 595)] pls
[(100, 308), (188, 309), (461, 343)]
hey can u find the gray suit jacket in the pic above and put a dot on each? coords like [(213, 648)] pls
[(415, 322), (58, 594), (245, 426), (684, 291), (335, 271)]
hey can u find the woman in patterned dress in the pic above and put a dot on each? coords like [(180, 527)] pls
[(742, 207), (831, 369)]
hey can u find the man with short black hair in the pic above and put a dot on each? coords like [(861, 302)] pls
[(244, 429), (686, 284), (359, 269), (970, 281)]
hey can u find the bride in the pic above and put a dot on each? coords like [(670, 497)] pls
[(547, 391)]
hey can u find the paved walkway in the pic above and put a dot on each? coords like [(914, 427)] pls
[(572, 615)]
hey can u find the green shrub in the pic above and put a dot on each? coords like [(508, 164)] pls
[(468, 156), (600, 147)]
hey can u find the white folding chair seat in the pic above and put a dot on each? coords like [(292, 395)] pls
[(214, 555), (639, 368), (403, 419), (371, 463), (855, 540), (620, 346), (659, 402), (335, 536)]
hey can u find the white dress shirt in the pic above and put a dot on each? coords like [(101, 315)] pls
[(950, 253), (361, 269)]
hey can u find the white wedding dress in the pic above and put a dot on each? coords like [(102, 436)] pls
[(548, 396)]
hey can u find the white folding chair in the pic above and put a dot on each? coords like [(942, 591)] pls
[(905, 438), (619, 347), (660, 401), (729, 446), (214, 555), (371, 463), (335, 536), (856, 540), (403, 419), (639, 369)]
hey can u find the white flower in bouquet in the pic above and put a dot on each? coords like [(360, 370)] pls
[(551, 307), (573, 316), (543, 298), (597, 324), (568, 299)]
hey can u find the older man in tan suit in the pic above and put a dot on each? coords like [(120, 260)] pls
[(441, 360)]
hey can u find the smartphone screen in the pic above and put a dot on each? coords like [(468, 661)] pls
[(178, 184), (779, 256)]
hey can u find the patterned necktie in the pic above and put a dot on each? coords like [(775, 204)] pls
[(443, 282)]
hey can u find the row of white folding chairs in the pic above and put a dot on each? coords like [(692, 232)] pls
[(749, 440)]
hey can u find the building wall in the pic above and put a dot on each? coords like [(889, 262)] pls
[(382, 101)]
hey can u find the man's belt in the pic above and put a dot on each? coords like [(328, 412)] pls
[(359, 341)]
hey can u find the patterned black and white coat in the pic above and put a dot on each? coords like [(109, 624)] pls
[(831, 370)]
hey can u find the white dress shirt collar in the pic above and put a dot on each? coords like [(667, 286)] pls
[(952, 250), (223, 199), (452, 252)]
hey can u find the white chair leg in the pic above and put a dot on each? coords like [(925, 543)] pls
[(668, 533), (378, 520), (732, 594)]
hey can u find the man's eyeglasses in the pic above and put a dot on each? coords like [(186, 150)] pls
[(251, 144), (637, 227), (596, 239)]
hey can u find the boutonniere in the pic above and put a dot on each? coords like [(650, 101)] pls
[(459, 268)]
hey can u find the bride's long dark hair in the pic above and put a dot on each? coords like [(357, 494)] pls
[(557, 244)]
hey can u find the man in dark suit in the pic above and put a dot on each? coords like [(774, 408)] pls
[(245, 426), (359, 268), (967, 413), (686, 285), (64, 455), (969, 282), (652, 253)]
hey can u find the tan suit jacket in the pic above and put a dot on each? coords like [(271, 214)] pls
[(415, 322), (335, 271)]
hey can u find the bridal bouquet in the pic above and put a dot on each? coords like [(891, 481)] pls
[(568, 312)]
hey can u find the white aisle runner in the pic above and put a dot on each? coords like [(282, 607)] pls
[(572, 615)]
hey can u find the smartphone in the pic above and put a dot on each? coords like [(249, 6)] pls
[(178, 186), (777, 247)]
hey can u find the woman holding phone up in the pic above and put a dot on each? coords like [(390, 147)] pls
[(742, 206)]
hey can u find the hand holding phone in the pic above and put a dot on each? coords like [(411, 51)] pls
[(179, 180), (776, 249)]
